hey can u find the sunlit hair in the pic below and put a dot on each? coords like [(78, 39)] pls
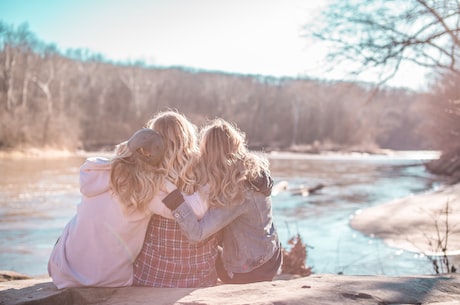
[(181, 148), (134, 181), (226, 163)]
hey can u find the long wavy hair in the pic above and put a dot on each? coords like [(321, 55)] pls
[(134, 181), (226, 163), (181, 148)]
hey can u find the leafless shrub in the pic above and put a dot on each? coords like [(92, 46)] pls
[(441, 263), (294, 259)]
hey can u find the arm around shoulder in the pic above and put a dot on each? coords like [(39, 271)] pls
[(198, 230)]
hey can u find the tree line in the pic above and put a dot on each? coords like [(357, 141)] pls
[(76, 99)]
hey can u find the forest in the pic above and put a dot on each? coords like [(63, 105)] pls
[(76, 99)]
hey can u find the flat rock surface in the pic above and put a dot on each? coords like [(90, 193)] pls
[(315, 289)]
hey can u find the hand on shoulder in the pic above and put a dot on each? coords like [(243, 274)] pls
[(263, 183)]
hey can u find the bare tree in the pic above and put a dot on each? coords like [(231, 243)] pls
[(383, 34), (14, 45)]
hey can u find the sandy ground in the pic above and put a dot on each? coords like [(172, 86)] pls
[(417, 223)]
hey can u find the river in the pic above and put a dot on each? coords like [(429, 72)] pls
[(39, 196)]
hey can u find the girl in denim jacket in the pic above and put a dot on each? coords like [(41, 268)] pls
[(238, 188)]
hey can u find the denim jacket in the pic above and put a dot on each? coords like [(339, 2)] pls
[(249, 235)]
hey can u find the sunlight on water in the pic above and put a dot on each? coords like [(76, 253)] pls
[(350, 183), (38, 197)]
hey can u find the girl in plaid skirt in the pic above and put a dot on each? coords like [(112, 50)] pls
[(167, 258)]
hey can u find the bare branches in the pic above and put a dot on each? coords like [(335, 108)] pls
[(383, 34), (441, 20), (440, 256)]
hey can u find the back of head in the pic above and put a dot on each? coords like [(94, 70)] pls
[(181, 150), (147, 145), (222, 142), (223, 161), (136, 176)]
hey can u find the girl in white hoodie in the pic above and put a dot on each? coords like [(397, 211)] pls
[(100, 243)]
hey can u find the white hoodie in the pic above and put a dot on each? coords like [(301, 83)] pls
[(100, 243)]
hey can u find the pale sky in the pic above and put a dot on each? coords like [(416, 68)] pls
[(236, 36)]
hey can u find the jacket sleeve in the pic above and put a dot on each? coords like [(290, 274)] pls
[(213, 221)]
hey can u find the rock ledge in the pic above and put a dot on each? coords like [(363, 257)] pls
[(315, 289)]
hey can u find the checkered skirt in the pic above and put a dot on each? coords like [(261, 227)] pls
[(168, 259)]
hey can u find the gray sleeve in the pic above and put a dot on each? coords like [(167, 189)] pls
[(213, 221)]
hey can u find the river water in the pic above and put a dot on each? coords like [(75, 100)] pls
[(39, 196)]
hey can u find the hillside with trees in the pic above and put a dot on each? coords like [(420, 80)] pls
[(75, 99)]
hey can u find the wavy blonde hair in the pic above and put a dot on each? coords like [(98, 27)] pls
[(181, 148), (226, 163), (134, 181)]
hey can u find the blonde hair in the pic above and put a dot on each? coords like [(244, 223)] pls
[(181, 148), (134, 181), (226, 163)]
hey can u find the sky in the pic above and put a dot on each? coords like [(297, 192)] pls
[(235, 36)]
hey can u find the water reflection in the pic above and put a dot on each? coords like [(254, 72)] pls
[(38, 197)]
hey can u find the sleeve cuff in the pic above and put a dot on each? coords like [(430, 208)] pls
[(183, 212), (173, 200)]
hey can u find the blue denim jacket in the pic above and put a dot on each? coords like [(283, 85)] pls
[(249, 235)]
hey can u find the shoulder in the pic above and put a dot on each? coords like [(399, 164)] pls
[(263, 183), (95, 176), (96, 162)]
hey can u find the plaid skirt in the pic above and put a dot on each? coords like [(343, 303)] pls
[(168, 259)]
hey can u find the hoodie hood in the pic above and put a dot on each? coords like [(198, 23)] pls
[(95, 176)]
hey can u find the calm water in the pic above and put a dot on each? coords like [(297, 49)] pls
[(38, 197)]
